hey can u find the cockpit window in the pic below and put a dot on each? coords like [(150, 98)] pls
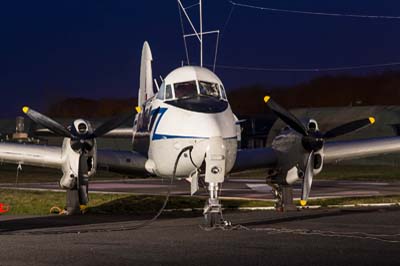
[(185, 89), (223, 93), (161, 92), (209, 89), (168, 92)]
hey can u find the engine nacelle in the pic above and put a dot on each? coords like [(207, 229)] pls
[(70, 165), (293, 175), (318, 162)]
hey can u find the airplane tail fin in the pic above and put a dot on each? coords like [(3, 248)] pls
[(146, 76)]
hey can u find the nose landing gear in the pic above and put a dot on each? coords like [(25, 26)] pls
[(213, 208), (214, 175)]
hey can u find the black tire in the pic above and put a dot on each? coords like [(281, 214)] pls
[(212, 219), (73, 206)]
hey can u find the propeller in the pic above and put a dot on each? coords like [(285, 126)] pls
[(80, 129), (312, 139), (47, 122), (81, 135)]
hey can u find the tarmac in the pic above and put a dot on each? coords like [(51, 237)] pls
[(351, 236), (363, 236)]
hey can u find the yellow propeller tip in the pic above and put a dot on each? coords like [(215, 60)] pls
[(372, 120), (266, 99), (303, 203), (25, 109), (138, 109)]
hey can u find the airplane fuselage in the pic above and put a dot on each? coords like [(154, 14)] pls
[(163, 128)]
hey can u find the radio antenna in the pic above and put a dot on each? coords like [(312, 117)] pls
[(199, 34)]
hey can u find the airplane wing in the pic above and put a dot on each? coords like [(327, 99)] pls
[(125, 162), (333, 152), (51, 157), (255, 158), (29, 154), (354, 149), (133, 162)]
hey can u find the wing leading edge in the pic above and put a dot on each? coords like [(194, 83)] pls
[(255, 158), (29, 154), (346, 150)]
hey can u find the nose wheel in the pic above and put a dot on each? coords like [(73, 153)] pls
[(213, 210), (213, 213)]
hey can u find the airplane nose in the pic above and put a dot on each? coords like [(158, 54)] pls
[(214, 127)]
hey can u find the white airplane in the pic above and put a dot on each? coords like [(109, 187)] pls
[(187, 129)]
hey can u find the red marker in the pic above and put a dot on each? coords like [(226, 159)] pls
[(4, 208)]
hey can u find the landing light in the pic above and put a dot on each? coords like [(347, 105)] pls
[(215, 170)]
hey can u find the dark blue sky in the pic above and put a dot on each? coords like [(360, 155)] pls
[(55, 49)]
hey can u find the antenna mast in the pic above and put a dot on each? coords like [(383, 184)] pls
[(199, 34), (201, 31)]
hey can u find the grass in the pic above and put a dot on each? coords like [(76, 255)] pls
[(39, 203), (354, 200), (360, 173)]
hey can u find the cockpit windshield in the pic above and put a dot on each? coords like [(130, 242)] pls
[(185, 89), (209, 89), (189, 89)]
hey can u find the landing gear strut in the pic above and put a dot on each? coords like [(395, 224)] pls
[(214, 175)]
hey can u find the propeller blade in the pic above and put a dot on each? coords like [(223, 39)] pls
[(111, 124), (47, 122), (286, 116), (349, 127), (307, 181)]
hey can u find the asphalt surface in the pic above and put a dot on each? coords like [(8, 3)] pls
[(309, 237), (234, 187)]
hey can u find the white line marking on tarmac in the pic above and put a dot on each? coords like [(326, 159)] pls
[(264, 188)]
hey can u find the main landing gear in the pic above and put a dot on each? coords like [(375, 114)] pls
[(283, 195), (78, 197)]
